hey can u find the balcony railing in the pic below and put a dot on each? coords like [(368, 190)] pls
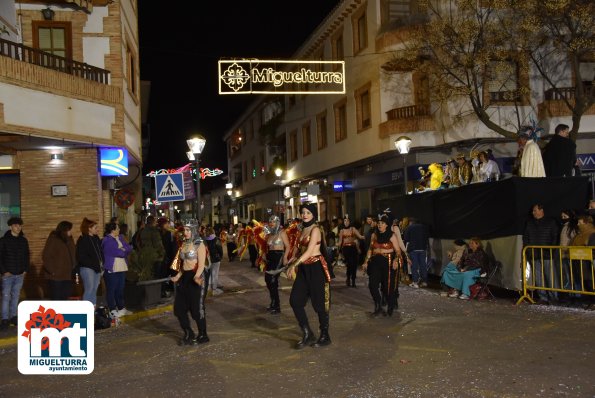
[(50, 61), (566, 93), (407, 112)]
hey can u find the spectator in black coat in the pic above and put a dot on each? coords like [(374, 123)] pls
[(215, 254), (89, 257), (542, 231), (417, 238), (14, 264), (559, 155)]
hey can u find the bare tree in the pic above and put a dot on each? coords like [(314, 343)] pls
[(485, 51), (559, 37)]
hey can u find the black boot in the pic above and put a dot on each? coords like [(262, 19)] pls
[(271, 305), (275, 307), (307, 337), (377, 309), (201, 338), (353, 283), (348, 282), (187, 338), (324, 338)]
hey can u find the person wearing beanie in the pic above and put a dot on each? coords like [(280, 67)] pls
[(382, 264), (349, 247), (14, 264), (312, 279)]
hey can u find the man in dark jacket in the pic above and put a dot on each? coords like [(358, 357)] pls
[(542, 231), (14, 264), (559, 155), (417, 239)]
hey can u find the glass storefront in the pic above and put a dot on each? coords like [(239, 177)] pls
[(10, 198)]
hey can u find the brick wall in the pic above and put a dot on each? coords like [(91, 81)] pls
[(41, 212)]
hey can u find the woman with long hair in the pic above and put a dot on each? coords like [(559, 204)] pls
[(472, 264), (59, 260), (115, 251), (89, 257)]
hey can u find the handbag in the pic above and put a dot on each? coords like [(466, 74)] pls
[(477, 292), (120, 265)]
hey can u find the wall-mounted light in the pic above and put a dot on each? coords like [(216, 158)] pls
[(57, 156), (48, 14)]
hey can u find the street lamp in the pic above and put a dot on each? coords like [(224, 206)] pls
[(279, 173), (402, 144), (196, 145)]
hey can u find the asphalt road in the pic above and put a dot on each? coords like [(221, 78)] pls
[(433, 347)]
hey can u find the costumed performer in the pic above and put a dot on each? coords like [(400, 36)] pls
[(277, 244), (531, 162), (437, 175), (349, 246), (312, 279), (383, 262), (192, 280)]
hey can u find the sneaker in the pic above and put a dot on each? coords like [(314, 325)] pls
[(464, 297), (124, 311), (14, 321), (483, 274), (217, 292), (423, 284), (414, 285), (453, 294), (115, 314)]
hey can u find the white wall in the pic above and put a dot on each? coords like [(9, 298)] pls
[(50, 112)]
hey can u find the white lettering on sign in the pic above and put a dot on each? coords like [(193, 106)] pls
[(281, 77), (269, 75)]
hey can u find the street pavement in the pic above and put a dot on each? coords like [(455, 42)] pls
[(433, 346)]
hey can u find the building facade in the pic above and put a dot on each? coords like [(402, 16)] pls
[(338, 149), (69, 85)]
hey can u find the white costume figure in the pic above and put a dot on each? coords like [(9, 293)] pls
[(531, 162)]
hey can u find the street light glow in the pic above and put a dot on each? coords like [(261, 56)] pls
[(278, 172), (402, 144), (196, 144)]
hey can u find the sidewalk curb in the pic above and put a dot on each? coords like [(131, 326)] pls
[(12, 340)]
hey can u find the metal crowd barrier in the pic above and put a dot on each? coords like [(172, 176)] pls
[(565, 269)]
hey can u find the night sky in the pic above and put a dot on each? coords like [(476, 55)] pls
[(180, 44)]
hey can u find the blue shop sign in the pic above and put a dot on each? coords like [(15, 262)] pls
[(586, 161), (341, 186)]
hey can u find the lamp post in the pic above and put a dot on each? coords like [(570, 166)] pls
[(278, 173), (196, 145), (402, 144)]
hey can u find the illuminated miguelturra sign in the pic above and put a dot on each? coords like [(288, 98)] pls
[(253, 76)]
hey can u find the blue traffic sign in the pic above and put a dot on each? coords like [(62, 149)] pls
[(169, 187)]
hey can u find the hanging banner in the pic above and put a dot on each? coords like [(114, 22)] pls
[(253, 76)]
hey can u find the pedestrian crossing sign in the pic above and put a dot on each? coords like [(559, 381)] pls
[(169, 187)]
